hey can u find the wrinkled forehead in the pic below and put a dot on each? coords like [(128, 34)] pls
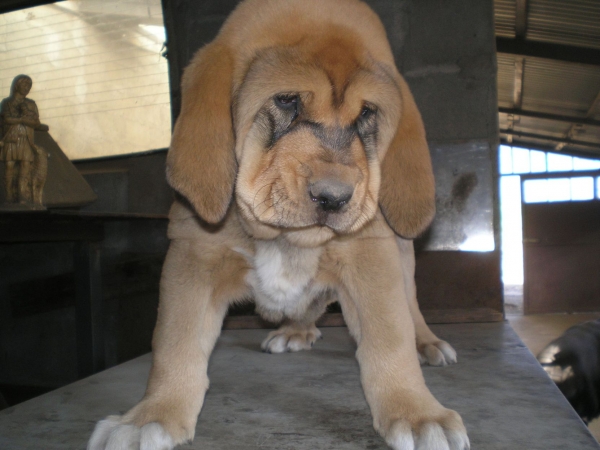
[(335, 72)]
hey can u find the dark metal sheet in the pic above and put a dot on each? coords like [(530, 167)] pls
[(464, 197), (561, 257)]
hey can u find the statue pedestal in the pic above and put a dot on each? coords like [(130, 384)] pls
[(21, 207)]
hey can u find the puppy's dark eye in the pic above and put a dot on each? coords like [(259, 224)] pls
[(367, 111), (286, 101)]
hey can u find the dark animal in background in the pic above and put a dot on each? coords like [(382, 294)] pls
[(573, 362)]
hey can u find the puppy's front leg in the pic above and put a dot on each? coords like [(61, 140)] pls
[(191, 310), (404, 410)]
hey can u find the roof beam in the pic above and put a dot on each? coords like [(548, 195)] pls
[(583, 153), (521, 19), (517, 92), (576, 127), (560, 140), (546, 116), (14, 5), (557, 52), (592, 109), (518, 83)]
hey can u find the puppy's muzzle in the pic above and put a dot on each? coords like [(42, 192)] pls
[(331, 195)]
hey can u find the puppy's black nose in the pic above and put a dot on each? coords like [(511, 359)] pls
[(331, 195)]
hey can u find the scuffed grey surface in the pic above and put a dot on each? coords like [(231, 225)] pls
[(464, 180), (313, 400)]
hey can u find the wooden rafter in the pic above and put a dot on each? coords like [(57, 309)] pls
[(576, 127), (547, 116), (521, 19)]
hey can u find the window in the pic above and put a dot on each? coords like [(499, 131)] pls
[(99, 79), (559, 163), (586, 164), (582, 188), (538, 161), (517, 161), (558, 189)]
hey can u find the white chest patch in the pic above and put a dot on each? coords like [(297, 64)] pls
[(283, 278)]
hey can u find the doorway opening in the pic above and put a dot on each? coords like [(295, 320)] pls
[(566, 182)]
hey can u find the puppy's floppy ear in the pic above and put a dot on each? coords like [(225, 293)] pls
[(407, 193), (201, 163)]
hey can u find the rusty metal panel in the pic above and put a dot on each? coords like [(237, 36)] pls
[(460, 280), (561, 257)]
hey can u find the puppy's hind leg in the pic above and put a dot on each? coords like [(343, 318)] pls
[(291, 336), (294, 335), (192, 305), (431, 349)]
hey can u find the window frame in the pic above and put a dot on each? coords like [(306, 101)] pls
[(595, 174)]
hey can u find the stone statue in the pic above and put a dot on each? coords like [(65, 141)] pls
[(26, 164)]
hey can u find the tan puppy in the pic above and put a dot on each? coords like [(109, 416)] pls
[(298, 153)]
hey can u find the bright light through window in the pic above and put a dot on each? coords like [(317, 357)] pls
[(559, 163), (582, 188), (535, 191), (586, 164), (521, 161), (511, 229), (559, 190), (505, 160), (538, 161)]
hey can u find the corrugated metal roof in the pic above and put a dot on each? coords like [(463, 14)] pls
[(551, 86), (530, 125), (570, 22), (559, 87), (546, 127), (506, 79), (504, 17)]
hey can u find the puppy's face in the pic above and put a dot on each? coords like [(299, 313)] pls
[(311, 123)]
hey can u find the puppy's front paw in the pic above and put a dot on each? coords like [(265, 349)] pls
[(436, 353), (291, 338), (112, 434), (446, 433)]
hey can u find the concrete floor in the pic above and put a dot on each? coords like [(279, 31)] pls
[(537, 331), (313, 400)]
